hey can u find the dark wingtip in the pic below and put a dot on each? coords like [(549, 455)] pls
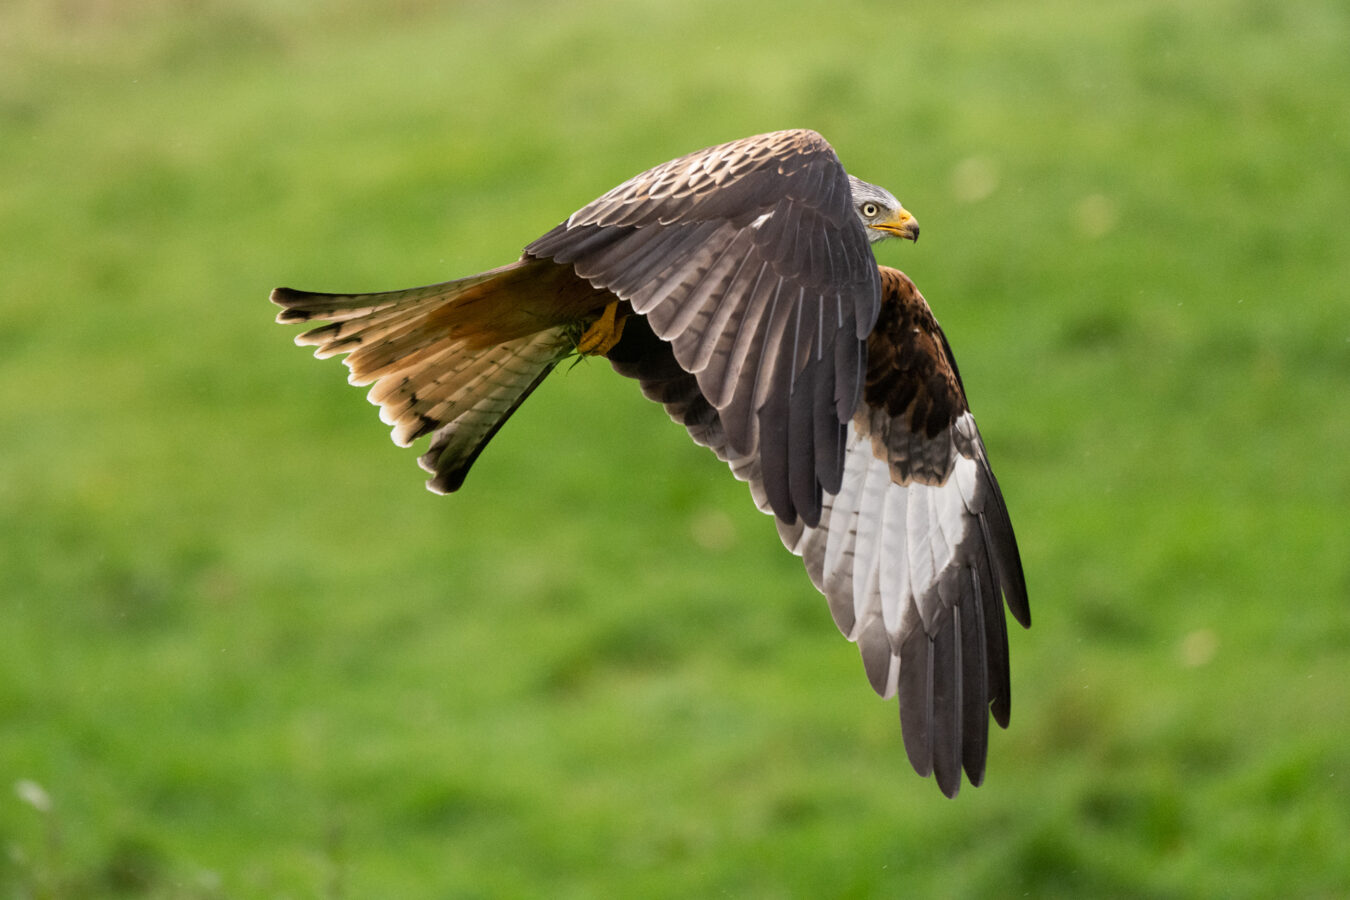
[(1000, 709), (1015, 594), (290, 301), (284, 296), (447, 480)]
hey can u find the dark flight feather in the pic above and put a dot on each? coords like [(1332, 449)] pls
[(752, 308)]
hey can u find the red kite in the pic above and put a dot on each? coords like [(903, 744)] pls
[(737, 286)]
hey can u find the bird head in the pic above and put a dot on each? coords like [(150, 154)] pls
[(880, 213)]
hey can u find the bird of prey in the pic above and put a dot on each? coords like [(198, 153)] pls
[(737, 286)]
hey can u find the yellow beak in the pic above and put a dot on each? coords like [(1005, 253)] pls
[(901, 225)]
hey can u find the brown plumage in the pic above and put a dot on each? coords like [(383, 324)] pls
[(737, 287)]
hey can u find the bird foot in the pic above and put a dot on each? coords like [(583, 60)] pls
[(603, 333)]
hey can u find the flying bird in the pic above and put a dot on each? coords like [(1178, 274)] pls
[(737, 286)]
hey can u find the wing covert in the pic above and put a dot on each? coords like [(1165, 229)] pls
[(914, 551), (748, 259)]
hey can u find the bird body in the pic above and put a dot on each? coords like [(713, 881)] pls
[(736, 285)]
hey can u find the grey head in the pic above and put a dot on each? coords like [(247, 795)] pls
[(880, 213)]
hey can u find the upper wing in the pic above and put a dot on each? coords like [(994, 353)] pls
[(749, 260), (915, 550)]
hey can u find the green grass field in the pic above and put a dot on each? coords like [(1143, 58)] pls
[(246, 654)]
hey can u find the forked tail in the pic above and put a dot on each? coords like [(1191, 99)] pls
[(443, 359)]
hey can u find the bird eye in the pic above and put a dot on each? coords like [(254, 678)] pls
[(869, 210)]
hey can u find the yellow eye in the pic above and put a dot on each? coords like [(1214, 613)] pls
[(869, 210)]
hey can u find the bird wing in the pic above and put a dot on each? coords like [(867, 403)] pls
[(749, 260), (914, 551)]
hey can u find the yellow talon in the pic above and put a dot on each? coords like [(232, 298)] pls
[(603, 333)]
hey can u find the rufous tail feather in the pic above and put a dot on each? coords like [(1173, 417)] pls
[(434, 361)]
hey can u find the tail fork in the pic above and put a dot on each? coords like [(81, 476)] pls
[(431, 370)]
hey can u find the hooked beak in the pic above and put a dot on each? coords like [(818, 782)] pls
[(901, 225)]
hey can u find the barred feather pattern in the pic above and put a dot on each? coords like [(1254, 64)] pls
[(915, 559), (426, 376), (757, 316), (914, 575), (749, 259)]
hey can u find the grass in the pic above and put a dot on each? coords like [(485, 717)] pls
[(247, 655)]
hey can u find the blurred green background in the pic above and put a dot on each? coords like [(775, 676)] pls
[(246, 654)]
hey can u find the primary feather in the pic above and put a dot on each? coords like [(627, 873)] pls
[(736, 285)]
